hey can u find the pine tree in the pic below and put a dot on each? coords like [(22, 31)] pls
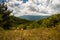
[(4, 16)]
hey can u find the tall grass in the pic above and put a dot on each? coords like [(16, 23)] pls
[(32, 34)]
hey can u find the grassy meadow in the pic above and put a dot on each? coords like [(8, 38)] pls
[(32, 34)]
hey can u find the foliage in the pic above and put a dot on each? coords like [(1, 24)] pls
[(4, 16), (50, 21), (6, 20)]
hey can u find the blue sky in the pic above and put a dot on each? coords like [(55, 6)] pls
[(24, 1), (2, 0)]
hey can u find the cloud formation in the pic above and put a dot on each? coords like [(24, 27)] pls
[(34, 7)]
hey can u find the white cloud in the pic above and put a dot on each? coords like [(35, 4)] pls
[(34, 7)]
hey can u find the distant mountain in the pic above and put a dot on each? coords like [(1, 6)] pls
[(32, 17)]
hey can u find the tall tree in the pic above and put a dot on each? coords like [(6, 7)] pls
[(4, 16)]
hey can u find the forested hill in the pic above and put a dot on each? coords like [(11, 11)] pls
[(50, 21)]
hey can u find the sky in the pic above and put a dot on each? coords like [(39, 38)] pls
[(24, 1), (33, 7), (0, 0)]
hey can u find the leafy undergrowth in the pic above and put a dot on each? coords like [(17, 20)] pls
[(33, 34)]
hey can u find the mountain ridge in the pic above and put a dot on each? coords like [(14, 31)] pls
[(32, 17)]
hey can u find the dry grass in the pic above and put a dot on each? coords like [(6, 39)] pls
[(33, 34)]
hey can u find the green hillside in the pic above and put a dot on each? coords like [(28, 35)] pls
[(50, 21)]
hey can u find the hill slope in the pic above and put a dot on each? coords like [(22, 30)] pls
[(50, 21)]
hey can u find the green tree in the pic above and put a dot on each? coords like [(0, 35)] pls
[(4, 16)]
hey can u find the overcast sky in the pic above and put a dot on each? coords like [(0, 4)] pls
[(34, 7)]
